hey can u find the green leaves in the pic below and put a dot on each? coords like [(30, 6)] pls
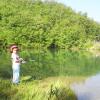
[(45, 24)]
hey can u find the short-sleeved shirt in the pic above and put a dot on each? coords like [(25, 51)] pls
[(15, 59)]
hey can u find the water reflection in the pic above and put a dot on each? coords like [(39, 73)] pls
[(51, 63), (89, 89)]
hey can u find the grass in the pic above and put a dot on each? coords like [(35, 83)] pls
[(52, 88)]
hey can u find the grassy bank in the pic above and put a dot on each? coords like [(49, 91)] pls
[(52, 88)]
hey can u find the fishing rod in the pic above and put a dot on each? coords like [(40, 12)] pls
[(25, 61)]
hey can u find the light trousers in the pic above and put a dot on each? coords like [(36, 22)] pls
[(16, 73)]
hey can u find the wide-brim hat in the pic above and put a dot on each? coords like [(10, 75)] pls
[(12, 47)]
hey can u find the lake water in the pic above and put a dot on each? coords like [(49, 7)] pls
[(50, 63), (89, 89)]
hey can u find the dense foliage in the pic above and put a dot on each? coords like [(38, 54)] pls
[(35, 24)]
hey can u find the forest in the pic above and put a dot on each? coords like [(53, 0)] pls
[(37, 24)]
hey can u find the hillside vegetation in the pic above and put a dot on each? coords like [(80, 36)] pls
[(32, 23)]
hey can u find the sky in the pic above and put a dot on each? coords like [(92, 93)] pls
[(91, 7)]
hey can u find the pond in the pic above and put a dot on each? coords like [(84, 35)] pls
[(89, 89), (49, 63)]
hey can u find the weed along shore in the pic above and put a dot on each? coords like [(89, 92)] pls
[(53, 88)]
